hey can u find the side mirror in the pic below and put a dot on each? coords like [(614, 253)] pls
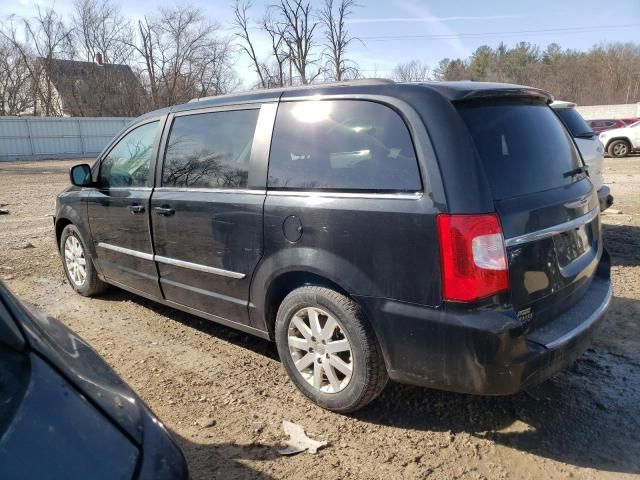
[(80, 175)]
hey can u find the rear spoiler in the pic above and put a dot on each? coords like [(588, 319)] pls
[(521, 92)]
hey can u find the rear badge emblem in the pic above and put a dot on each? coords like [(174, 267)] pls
[(525, 315)]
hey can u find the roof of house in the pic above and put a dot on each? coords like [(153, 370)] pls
[(90, 89)]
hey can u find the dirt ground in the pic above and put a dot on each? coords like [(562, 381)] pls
[(583, 423)]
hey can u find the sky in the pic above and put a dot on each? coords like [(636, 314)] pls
[(396, 31)]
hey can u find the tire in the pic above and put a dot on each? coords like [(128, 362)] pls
[(619, 148), (73, 250), (342, 337)]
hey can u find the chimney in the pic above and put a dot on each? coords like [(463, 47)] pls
[(99, 58)]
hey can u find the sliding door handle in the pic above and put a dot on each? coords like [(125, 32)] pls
[(135, 208)]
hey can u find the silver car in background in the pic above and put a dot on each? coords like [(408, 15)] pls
[(590, 147)]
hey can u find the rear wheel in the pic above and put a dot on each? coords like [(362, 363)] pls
[(619, 148), (328, 349), (78, 265)]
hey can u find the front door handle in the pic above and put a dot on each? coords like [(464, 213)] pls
[(166, 211), (136, 209)]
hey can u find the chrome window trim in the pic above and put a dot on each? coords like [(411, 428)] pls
[(126, 251), (141, 189), (198, 267), (172, 261), (307, 193), (212, 190), (551, 231)]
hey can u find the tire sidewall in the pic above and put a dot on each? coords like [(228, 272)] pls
[(357, 386), (68, 231)]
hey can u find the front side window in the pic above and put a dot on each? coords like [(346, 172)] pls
[(210, 150), (341, 145), (127, 164)]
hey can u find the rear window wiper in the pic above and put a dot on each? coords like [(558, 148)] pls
[(574, 172), (585, 135)]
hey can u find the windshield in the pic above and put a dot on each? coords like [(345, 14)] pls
[(523, 146), (574, 122)]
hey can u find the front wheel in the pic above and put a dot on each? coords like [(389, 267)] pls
[(619, 148), (329, 350), (78, 265)]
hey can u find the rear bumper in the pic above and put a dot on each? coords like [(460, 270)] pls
[(605, 198), (484, 352)]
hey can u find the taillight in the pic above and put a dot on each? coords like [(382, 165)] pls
[(472, 256)]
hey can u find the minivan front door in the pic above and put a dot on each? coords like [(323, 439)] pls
[(118, 211), (206, 211)]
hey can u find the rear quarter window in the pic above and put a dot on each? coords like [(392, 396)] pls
[(341, 145), (574, 122), (524, 147)]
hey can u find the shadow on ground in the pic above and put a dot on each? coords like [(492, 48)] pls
[(587, 416), (224, 460), (623, 243)]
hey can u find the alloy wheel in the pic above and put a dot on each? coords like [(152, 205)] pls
[(320, 350), (75, 260), (620, 149)]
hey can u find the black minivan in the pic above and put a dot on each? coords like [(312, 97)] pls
[(439, 234)]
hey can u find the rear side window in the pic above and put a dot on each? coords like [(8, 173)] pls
[(342, 145), (574, 122), (210, 150), (523, 146)]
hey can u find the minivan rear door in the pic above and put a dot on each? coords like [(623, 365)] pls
[(206, 209), (546, 202)]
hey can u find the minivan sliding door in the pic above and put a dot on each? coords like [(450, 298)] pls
[(206, 210)]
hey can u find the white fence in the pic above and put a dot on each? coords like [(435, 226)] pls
[(603, 112), (35, 138)]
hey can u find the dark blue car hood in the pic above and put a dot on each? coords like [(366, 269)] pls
[(74, 358)]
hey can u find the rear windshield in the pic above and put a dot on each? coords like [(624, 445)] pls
[(574, 122), (523, 146)]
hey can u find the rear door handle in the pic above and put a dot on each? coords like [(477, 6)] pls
[(166, 211), (136, 208)]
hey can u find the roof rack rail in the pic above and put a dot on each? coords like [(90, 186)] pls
[(346, 83)]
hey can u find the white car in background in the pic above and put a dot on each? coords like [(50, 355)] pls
[(590, 147), (620, 142)]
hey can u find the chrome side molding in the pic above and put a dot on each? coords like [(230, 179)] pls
[(551, 231), (126, 251), (172, 261), (198, 267)]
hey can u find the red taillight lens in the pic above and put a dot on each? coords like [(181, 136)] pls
[(472, 256)]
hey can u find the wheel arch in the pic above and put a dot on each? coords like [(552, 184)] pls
[(279, 274), (59, 226), (287, 282), (625, 139), (69, 216)]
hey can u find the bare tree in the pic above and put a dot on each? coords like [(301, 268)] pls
[(182, 56), (46, 39), (99, 27), (241, 23), (412, 71), (276, 73), (332, 17), (297, 25), (15, 81)]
